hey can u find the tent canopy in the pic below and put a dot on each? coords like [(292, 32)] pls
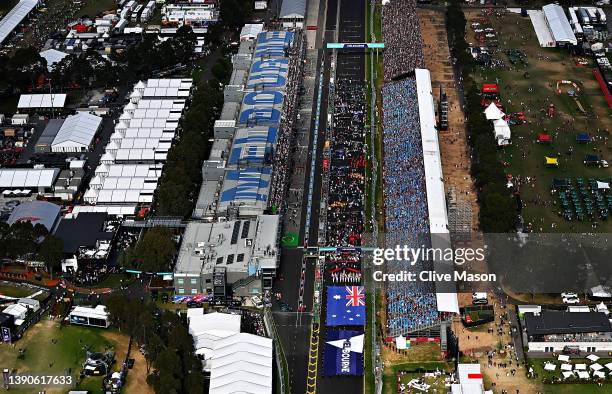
[(493, 113), (582, 137), (551, 161), (544, 138)]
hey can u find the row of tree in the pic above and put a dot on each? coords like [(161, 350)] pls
[(23, 241), (172, 366), (498, 212), (179, 188), (153, 253)]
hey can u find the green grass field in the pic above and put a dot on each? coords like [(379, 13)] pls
[(579, 388), (16, 291), (63, 357), (92, 8), (414, 368), (525, 157)]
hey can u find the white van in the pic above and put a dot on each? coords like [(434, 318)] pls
[(479, 299)]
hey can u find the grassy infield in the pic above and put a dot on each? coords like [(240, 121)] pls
[(543, 75), (43, 357)]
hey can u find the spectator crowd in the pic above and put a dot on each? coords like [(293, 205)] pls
[(402, 38), (282, 154), (412, 306)]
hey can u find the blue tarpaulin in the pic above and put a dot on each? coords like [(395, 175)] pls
[(582, 137), (345, 306), (344, 353)]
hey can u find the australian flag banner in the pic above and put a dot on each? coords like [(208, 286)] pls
[(345, 306), (344, 353)]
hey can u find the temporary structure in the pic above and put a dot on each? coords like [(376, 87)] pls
[(493, 113)]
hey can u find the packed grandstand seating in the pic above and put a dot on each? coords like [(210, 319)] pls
[(287, 129), (410, 307), (402, 37)]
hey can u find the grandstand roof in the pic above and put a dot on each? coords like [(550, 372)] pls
[(55, 100), (261, 108), (436, 197), (558, 24), (251, 145), (78, 129), (248, 187), (268, 73), (15, 17), (293, 9), (272, 44)]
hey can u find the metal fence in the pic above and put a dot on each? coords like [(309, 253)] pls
[(279, 354)]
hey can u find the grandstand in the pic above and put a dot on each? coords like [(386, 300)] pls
[(415, 208), (251, 135)]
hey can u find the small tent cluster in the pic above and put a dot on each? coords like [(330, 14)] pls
[(501, 129)]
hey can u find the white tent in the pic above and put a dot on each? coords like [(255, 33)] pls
[(567, 374), (502, 132), (559, 24), (77, 133), (583, 375), (580, 367), (592, 357), (596, 367), (52, 56), (563, 357), (609, 366), (550, 367), (566, 367), (400, 342), (599, 374), (603, 185), (493, 113)]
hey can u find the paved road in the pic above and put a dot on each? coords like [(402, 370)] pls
[(346, 26)]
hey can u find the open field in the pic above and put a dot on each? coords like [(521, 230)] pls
[(67, 354), (391, 371), (15, 291), (532, 93), (92, 8), (587, 387)]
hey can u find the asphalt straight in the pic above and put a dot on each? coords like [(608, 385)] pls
[(350, 27), (294, 282)]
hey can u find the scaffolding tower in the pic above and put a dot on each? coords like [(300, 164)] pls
[(459, 217)]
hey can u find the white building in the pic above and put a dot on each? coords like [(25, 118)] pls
[(559, 25), (85, 316), (241, 363), (292, 13), (554, 331), (470, 380), (77, 133)]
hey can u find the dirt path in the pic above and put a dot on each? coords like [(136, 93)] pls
[(495, 339), (453, 143), (137, 376)]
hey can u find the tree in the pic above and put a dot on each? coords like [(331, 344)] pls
[(154, 251), (232, 13), (51, 252), (222, 70)]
